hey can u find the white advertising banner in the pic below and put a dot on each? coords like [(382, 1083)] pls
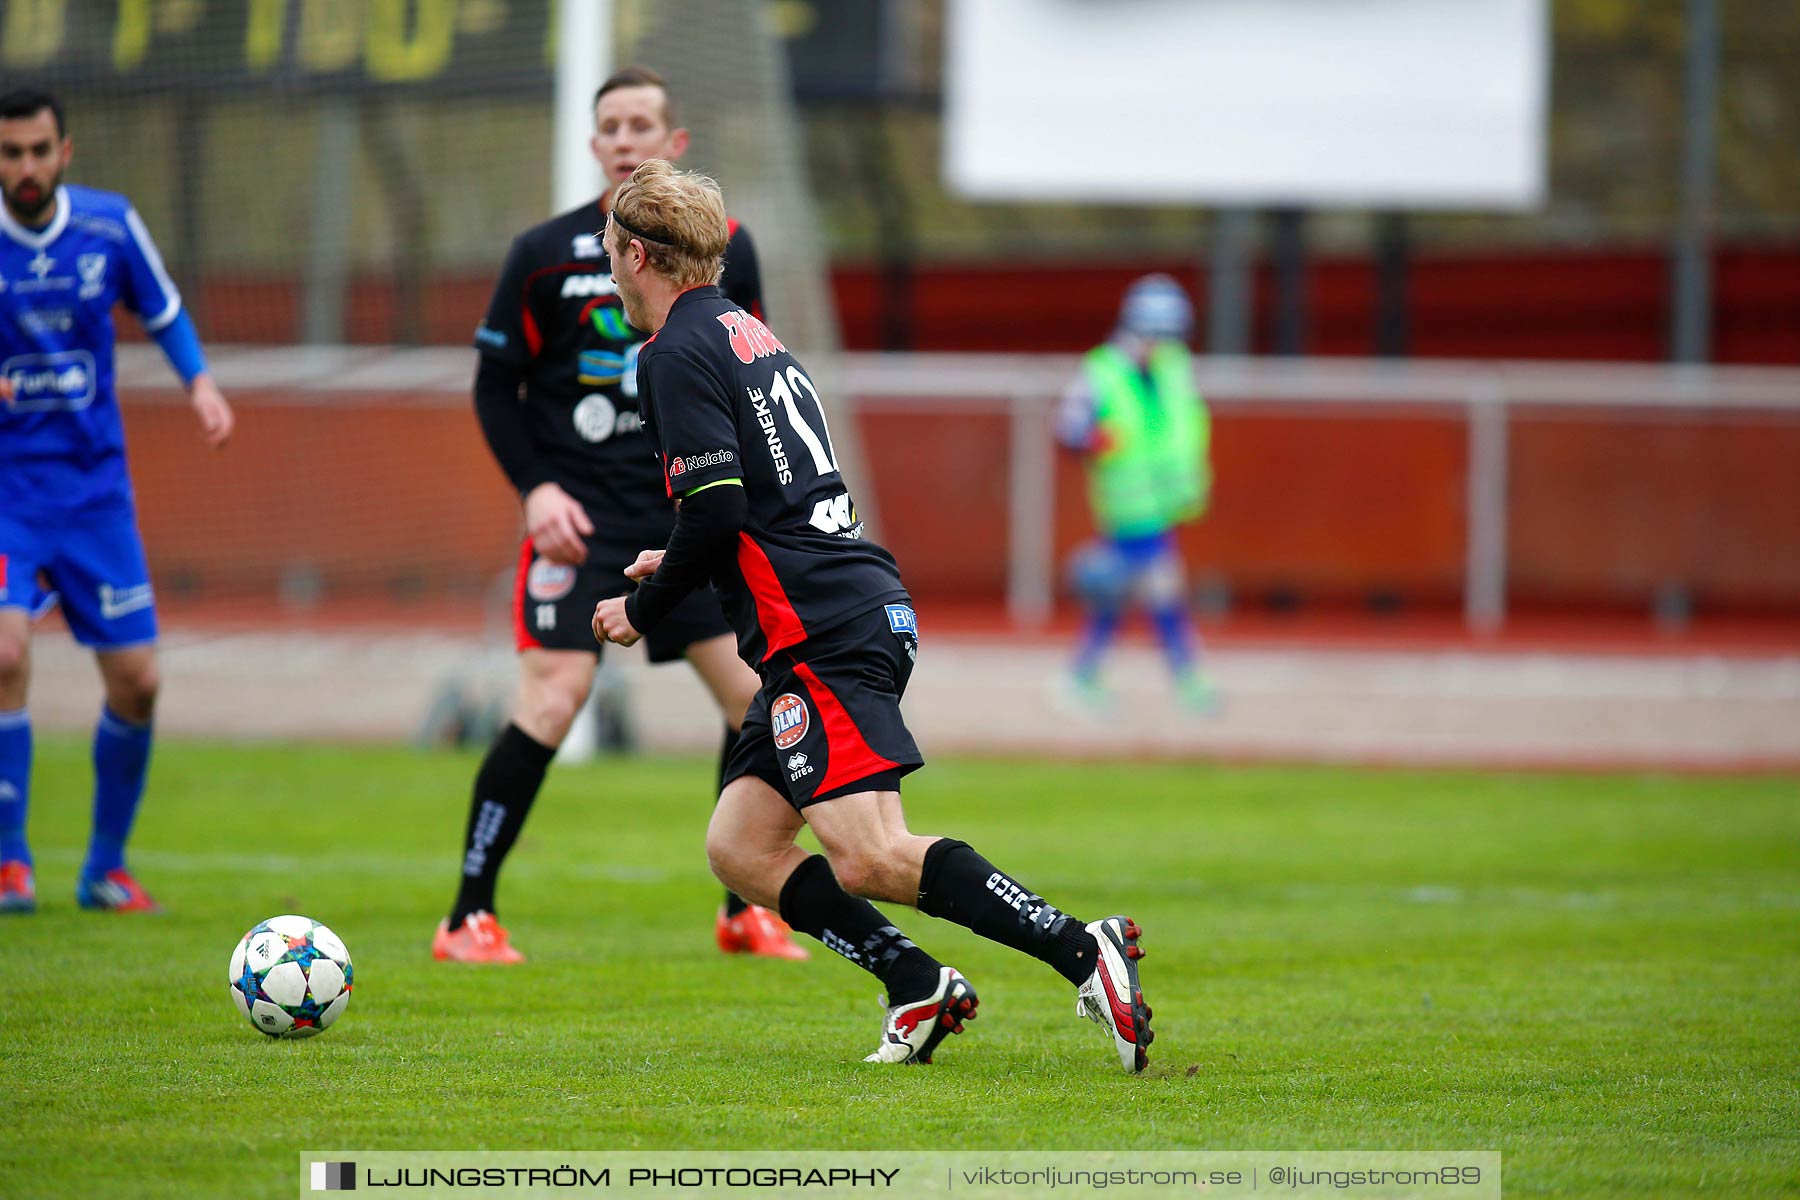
[(1427, 104)]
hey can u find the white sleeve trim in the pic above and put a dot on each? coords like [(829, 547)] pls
[(147, 247), (162, 320)]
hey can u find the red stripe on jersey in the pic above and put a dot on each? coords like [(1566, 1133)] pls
[(847, 753), (522, 639), (781, 625), (534, 337)]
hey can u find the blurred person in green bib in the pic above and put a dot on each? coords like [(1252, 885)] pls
[(1144, 434)]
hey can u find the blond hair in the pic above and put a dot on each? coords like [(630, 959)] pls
[(679, 216)]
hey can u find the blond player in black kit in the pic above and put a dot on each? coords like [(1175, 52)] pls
[(556, 391), (821, 614)]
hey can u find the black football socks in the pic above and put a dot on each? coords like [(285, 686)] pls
[(959, 885), (734, 903), (505, 787), (813, 903)]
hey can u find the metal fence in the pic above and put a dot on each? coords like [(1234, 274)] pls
[(1482, 394), (1485, 404)]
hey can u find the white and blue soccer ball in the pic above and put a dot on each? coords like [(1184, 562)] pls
[(290, 977)]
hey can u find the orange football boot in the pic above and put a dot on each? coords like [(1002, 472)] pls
[(479, 939), (18, 893), (115, 891), (756, 930)]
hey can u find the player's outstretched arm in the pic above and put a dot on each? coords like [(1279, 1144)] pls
[(216, 419)]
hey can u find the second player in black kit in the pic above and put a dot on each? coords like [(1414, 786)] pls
[(556, 393), (820, 612)]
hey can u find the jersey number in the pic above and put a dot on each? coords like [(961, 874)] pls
[(782, 392)]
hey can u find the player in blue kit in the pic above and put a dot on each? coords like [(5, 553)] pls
[(68, 525)]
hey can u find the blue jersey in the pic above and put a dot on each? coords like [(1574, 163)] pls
[(62, 442)]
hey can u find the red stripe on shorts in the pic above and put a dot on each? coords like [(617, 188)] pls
[(849, 755), (522, 639)]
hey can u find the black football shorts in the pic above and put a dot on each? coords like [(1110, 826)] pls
[(827, 720), (553, 608)]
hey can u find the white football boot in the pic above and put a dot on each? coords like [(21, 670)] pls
[(910, 1032), (1111, 996)]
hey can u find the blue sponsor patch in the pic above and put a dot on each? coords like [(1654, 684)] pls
[(61, 381), (902, 619), (490, 337)]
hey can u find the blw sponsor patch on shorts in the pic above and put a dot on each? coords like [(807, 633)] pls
[(548, 580), (902, 619), (788, 719)]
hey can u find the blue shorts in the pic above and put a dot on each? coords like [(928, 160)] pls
[(1109, 570), (1142, 550), (91, 562)]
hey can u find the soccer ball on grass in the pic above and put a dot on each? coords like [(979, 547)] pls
[(290, 977)]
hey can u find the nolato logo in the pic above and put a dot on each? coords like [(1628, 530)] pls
[(712, 458)]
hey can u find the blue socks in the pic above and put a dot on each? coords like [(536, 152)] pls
[(15, 783), (1096, 634), (1177, 636), (121, 761)]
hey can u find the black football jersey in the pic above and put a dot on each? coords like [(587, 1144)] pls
[(723, 399), (556, 315)]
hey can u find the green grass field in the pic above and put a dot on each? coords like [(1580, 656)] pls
[(1597, 976)]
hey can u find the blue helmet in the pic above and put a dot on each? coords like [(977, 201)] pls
[(1156, 307)]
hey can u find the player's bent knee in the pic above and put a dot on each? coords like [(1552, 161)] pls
[(14, 659), (725, 859), (741, 873), (131, 690), (744, 864), (859, 873), (550, 695), (548, 720), (143, 685)]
